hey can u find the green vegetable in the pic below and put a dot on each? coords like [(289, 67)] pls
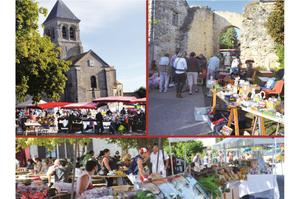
[(144, 195), (211, 185)]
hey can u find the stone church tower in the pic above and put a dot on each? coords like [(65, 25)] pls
[(62, 26), (89, 76)]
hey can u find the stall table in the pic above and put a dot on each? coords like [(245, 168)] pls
[(32, 127), (259, 116), (233, 111), (257, 184)]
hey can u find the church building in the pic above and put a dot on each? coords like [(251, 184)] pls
[(89, 76)]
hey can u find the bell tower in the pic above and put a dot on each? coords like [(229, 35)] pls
[(62, 26)]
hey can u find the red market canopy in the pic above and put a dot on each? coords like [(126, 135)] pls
[(52, 105), (29, 104), (123, 99), (139, 101), (81, 105)]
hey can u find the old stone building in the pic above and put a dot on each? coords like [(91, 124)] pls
[(175, 25), (89, 76)]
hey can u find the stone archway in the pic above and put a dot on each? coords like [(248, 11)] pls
[(205, 27), (224, 20)]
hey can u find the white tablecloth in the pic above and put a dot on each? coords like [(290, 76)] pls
[(259, 183)]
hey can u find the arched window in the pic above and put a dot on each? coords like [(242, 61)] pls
[(93, 82), (53, 34), (72, 33), (48, 33), (64, 32)]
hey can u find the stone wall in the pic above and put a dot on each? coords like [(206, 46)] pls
[(78, 88), (256, 44), (199, 30), (166, 33)]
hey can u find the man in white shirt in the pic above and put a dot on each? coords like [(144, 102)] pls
[(164, 73), (159, 167)]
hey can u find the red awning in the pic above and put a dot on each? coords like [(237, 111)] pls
[(81, 105), (123, 99), (52, 105), (138, 101)]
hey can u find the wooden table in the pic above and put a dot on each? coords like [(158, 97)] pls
[(98, 177), (233, 111), (32, 126), (260, 119), (259, 116), (30, 177)]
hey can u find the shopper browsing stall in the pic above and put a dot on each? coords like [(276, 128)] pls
[(84, 182), (137, 168)]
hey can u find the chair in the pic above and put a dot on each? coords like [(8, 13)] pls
[(276, 90)]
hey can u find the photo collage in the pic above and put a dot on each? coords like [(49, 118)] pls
[(149, 99)]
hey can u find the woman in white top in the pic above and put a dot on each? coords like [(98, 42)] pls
[(84, 182), (180, 67)]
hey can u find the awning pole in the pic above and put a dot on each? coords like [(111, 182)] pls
[(74, 167), (171, 157)]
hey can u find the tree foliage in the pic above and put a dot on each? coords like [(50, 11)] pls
[(39, 71), (49, 143), (275, 22), (228, 38), (141, 92), (127, 143), (190, 147), (275, 28)]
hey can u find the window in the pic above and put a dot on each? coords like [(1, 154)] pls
[(64, 32), (48, 33), (93, 82), (91, 62), (53, 34), (175, 19), (72, 33)]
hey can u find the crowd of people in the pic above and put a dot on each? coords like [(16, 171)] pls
[(185, 71), (71, 121), (146, 164)]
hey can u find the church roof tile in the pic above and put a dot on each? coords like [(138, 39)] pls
[(60, 10)]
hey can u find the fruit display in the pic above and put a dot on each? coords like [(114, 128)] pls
[(119, 173)]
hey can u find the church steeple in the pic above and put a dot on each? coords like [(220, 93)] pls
[(60, 10), (62, 26)]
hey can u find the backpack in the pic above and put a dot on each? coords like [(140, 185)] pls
[(133, 167)]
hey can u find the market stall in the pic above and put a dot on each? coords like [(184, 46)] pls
[(247, 174), (248, 98)]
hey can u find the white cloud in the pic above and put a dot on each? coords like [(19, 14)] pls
[(96, 14)]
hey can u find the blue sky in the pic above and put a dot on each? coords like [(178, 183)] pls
[(116, 31), (224, 5)]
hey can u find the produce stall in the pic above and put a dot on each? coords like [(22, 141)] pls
[(243, 176)]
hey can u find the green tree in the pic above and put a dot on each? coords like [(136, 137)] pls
[(127, 143), (190, 147), (228, 38), (39, 71), (275, 28), (141, 92), (49, 143), (275, 22)]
